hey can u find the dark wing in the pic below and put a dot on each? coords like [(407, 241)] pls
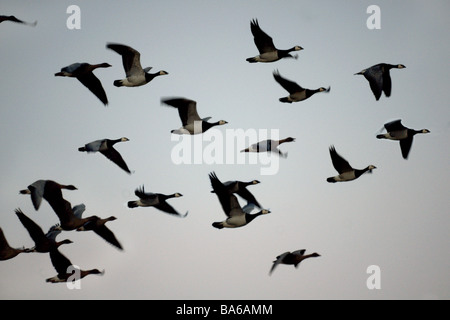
[(164, 206), (104, 232), (229, 202), (299, 252), (113, 155), (395, 125), (340, 164), (130, 58), (33, 229), (14, 19), (3, 242), (140, 192), (387, 83), (187, 109), (59, 261), (247, 195), (263, 41), (375, 77), (91, 82), (405, 146), (278, 261), (288, 85)]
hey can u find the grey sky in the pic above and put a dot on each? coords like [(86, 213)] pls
[(395, 218)]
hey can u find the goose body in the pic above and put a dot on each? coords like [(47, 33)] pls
[(157, 200), (131, 59), (345, 170), (106, 147), (236, 215), (267, 50), (14, 19), (190, 120), (240, 188), (83, 72), (292, 258), (65, 269), (379, 78), (48, 189), (269, 146), (6, 251), (296, 92), (43, 242), (396, 131)]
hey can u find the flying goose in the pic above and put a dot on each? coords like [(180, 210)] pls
[(269, 146), (296, 92), (396, 131), (66, 270), (44, 242), (191, 121), (105, 147), (97, 225), (236, 215), (346, 172), (267, 50), (379, 78), (135, 75), (157, 200), (292, 258), (14, 19), (84, 73), (240, 188), (7, 252), (48, 189)]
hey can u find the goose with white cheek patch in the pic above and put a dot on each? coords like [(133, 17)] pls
[(65, 269), (136, 76), (190, 120), (236, 215), (269, 145), (398, 132), (267, 50), (240, 188), (296, 92), (379, 78), (346, 172), (106, 147), (157, 200), (83, 72)]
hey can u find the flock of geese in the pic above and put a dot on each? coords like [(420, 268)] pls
[(71, 218)]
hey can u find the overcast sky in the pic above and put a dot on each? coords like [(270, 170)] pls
[(395, 218)]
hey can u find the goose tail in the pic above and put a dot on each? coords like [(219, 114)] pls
[(132, 204), (118, 83), (218, 225)]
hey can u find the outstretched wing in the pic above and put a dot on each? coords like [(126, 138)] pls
[(91, 82), (263, 41), (340, 164), (131, 58), (187, 109), (288, 85), (278, 261), (113, 155)]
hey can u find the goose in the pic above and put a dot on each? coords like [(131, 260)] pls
[(379, 78), (292, 258), (44, 242), (48, 189), (66, 270), (6, 251), (346, 172), (70, 218), (84, 73), (191, 121), (135, 75), (157, 200), (236, 215), (14, 19), (396, 131), (240, 188), (269, 146), (296, 92), (105, 147), (267, 50), (97, 225)]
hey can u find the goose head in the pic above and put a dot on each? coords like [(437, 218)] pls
[(123, 139), (322, 89), (370, 168), (400, 66), (315, 254), (176, 195)]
